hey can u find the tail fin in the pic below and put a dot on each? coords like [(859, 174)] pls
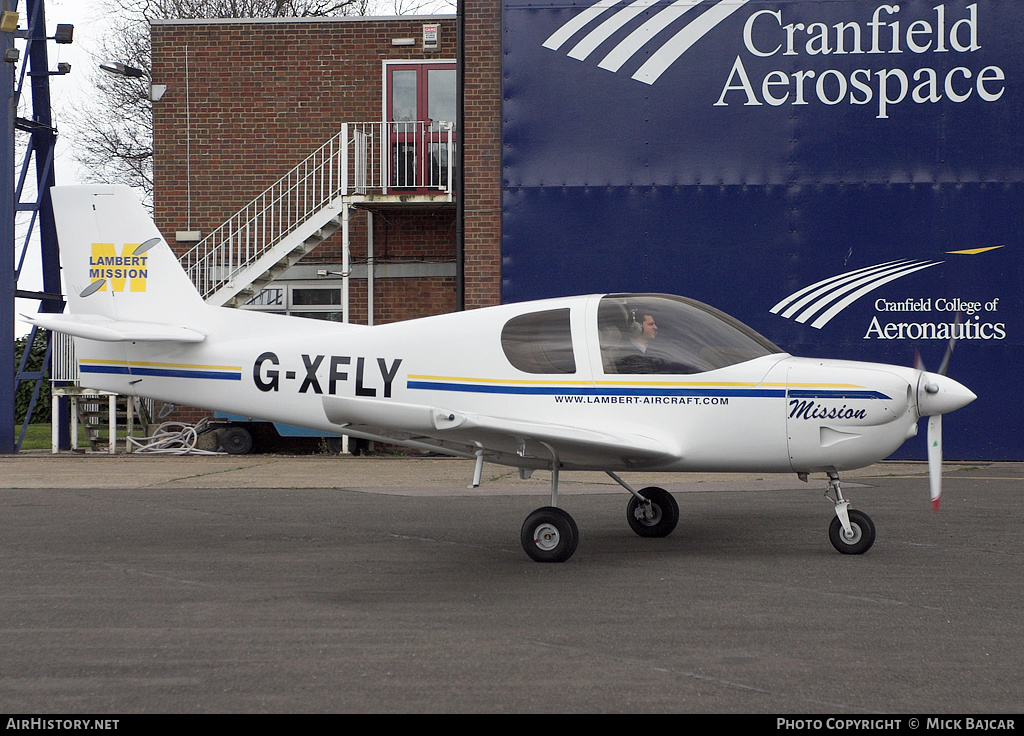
[(116, 263), (123, 280)]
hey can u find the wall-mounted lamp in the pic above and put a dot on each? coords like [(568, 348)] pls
[(403, 41), (157, 91)]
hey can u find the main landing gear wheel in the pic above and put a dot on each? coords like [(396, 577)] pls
[(655, 519), (860, 538), (549, 535)]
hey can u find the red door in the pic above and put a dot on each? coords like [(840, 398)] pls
[(420, 118)]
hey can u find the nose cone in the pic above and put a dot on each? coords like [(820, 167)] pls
[(938, 394)]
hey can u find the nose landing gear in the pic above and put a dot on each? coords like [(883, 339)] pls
[(851, 532)]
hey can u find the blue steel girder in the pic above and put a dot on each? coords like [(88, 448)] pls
[(33, 66)]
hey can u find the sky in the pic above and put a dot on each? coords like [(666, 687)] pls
[(66, 91)]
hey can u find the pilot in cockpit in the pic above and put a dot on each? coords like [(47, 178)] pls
[(642, 331)]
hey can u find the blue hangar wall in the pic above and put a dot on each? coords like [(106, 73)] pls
[(843, 175)]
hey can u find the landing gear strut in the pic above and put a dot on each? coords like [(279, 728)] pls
[(851, 532), (550, 534)]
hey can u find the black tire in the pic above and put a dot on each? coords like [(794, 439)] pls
[(666, 513), (549, 535), (236, 441), (862, 538)]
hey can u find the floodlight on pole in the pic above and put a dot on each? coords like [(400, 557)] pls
[(121, 70), (65, 33), (37, 155), (8, 21)]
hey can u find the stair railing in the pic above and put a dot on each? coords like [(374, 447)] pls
[(384, 157)]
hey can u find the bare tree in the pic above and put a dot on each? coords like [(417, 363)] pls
[(114, 130)]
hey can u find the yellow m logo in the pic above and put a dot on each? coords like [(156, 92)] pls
[(107, 266)]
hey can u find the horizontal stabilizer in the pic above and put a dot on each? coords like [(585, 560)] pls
[(104, 329)]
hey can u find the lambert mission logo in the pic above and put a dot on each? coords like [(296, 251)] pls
[(128, 269)]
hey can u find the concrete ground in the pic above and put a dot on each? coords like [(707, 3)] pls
[(270, 583)]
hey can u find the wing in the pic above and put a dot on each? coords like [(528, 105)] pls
[(505, 441)]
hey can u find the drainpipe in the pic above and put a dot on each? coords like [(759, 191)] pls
[(460, 158), (345, 267), (369, 267)]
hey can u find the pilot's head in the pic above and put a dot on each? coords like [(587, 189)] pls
[(642, 327)]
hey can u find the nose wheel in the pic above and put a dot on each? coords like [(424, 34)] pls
[(858, 539), (851, 532)]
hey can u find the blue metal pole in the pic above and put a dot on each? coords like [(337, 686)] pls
[(43, 144), (40, 152), (7, 206)]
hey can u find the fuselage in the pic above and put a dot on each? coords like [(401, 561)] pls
[(732, 404)]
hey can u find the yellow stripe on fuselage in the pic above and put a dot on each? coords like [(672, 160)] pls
[(149, 364)]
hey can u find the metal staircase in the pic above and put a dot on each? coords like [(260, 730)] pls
[(406, 162)]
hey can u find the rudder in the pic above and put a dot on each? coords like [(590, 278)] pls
[(116, 263)]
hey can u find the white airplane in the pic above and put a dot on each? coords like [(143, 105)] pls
[(615, 383)]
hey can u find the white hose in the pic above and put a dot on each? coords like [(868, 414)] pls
[(173, 438)]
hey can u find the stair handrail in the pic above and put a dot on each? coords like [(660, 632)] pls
[(352, 161), (246, 235)]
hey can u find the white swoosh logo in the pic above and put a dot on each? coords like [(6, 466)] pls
[(619, 14), (829, 297)]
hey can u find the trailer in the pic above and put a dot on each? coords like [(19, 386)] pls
[(241, 435)]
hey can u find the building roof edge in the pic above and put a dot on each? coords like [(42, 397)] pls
[(312, 19)]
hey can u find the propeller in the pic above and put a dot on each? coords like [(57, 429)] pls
[(938, 395), (935, 459)]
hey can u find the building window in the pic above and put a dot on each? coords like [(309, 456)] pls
[(420, 112), (300, 300)]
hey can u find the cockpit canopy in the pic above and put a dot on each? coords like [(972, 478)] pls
[(687, 336), (682, 336)]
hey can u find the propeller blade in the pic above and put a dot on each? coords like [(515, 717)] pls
[(949, 350), (935, 458), (933, 405)]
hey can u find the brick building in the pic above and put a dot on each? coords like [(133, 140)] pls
[(240, 104)]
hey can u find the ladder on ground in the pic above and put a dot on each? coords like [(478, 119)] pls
[(106, 420), (101, 421)]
